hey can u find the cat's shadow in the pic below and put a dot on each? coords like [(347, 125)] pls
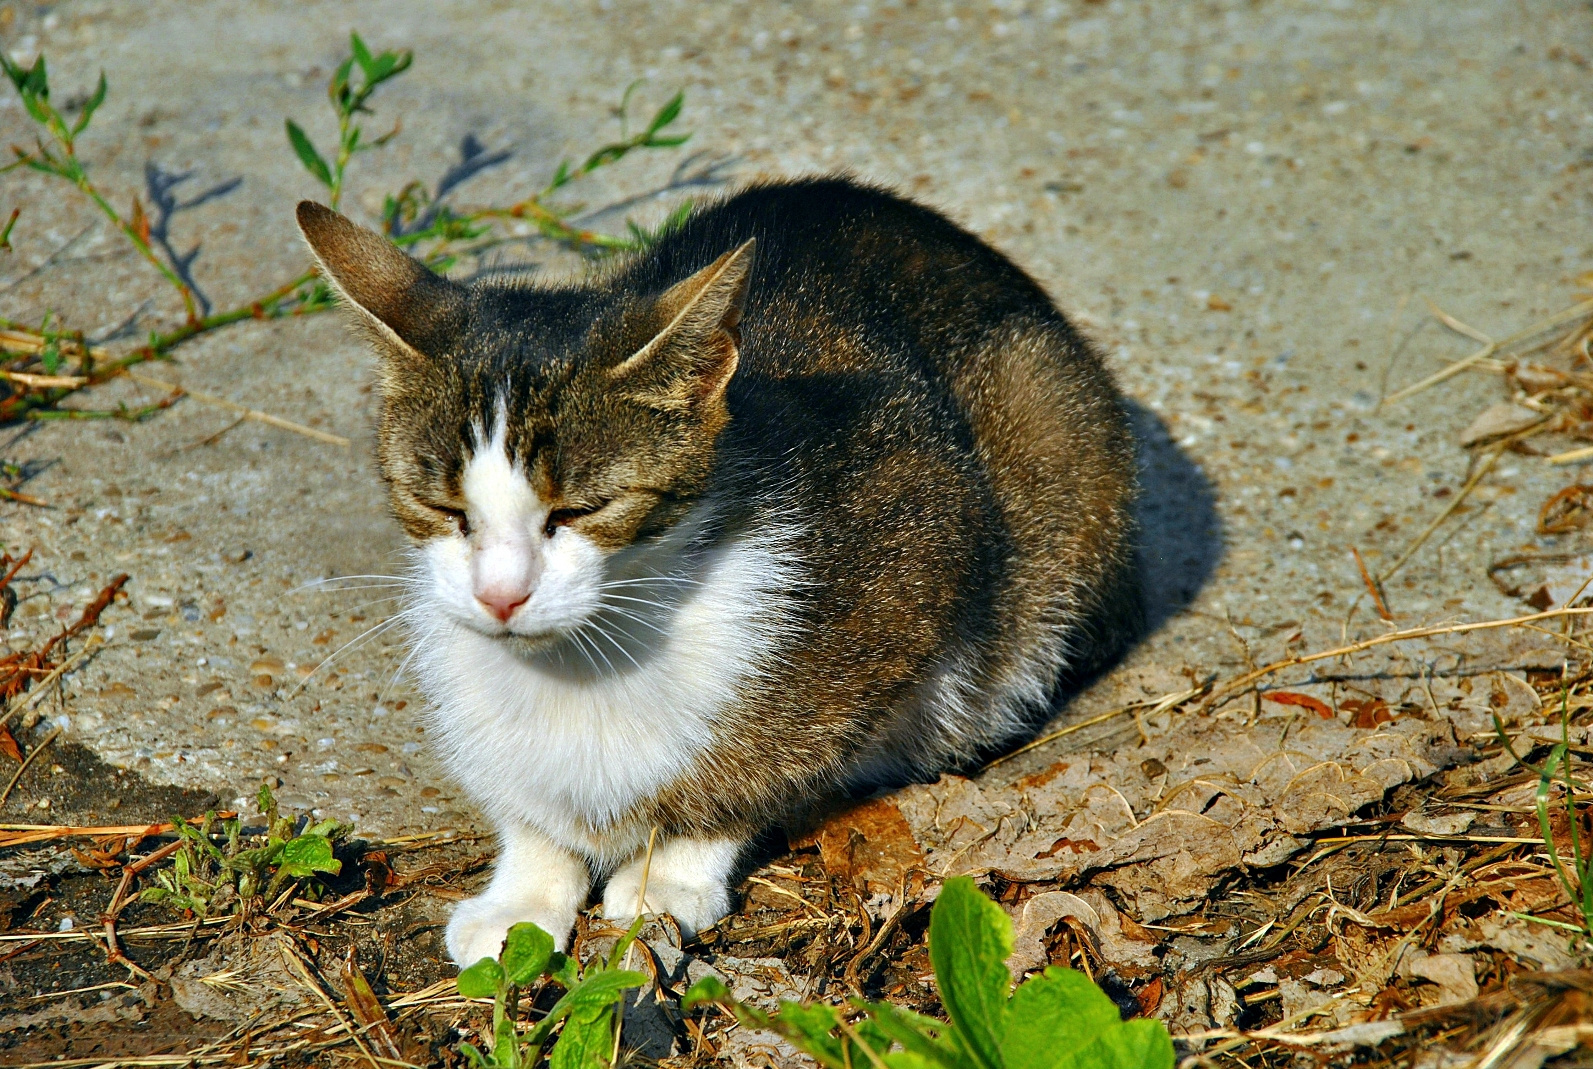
[(1179, 547), (1181, 537)]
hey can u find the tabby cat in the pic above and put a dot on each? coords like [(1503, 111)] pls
[(818, 491)]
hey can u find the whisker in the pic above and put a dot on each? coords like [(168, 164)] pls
[(413, 650), (361, 638), (640, 601), (395, 580), (599, 650), (678, 580), (367, 604), (632, 615), (615, 642), (581, 645)]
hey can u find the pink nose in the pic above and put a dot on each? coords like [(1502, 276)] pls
[(502, 603)]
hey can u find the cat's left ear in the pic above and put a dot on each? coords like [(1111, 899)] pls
[(691, 359), (409, 311)]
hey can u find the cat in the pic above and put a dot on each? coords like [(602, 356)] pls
[(818, 491)]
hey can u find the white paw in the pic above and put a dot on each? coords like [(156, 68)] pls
[(479, 925), (695, 904)]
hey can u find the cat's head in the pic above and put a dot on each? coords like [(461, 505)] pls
[(533, 437)]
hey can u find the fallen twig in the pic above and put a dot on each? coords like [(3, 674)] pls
[(1158, 705), (26, 666), (42, 688), (1371, 587), (113, 952), (1243, 682), (1483, 468), (1569, 315), (26, 761), (243, 410)]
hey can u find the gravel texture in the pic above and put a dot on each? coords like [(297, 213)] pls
[(1247, 204)]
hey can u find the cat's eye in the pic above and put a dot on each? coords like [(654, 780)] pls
[(564, 517), (458, 516)]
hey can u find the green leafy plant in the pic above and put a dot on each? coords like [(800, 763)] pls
[(1056, 1020), (348, 98), (240, 874), (586, 1009), (415, 221), (5, 231), (1575, 873), (42, 364)]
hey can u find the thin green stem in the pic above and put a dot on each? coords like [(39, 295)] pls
[(1545, 828), (1579, 861), (344, 154), (40, 404), (79, 178)]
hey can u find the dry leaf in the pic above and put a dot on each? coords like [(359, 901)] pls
[(1438, 823), (1149, 997), (8, 745), (869, 845), (1160, 844), (1500, 420), (1368, 713), (1454, 974), (367, 1009), (1289, 697), (1567, 510), (1535, 378)]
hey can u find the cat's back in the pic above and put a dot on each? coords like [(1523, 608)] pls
[(850, 276), (941, 400)]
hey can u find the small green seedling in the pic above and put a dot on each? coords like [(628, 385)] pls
[(1056, 1020), (1578, 881), (348, 101), (207, 878), (46, 364), (586, 1008)]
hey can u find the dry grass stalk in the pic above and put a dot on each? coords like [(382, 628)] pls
[(1483, 467), (20, 342), (25, 834), (1240, 683), (1226, 691), (23, 767), (296, 962), (1149, 708), (1371, 587), (243, 410), (1509, 346)]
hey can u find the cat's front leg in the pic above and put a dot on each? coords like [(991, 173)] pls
[(687, 878), (534, 880)]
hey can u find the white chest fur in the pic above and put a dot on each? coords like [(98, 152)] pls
[(571, 752)]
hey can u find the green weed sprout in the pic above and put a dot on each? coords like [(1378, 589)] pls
[(412, 218), (58, 156), (206, 879), (348, 100), (586, 1008), (1578, 881), (1056, 1020), (43, 365)]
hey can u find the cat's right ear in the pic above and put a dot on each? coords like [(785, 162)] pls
[(407, 309)]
